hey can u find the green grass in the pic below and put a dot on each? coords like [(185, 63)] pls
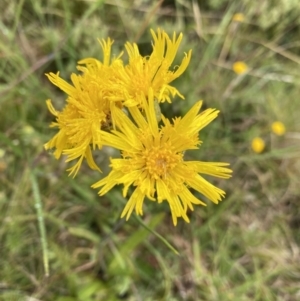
[(245, 248)]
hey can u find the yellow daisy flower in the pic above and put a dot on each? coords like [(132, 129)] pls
[(278, 128), (88, 109), (153, 159), (142, 73), (238, 17), (240, 67), (258, 145)]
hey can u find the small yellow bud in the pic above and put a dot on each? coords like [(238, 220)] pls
[(238, 17), (278, 128), (258, 145), (239, 67)]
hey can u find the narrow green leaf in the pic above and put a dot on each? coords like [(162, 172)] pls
[(41, 222)]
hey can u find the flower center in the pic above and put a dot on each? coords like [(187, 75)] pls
[(160, 161)]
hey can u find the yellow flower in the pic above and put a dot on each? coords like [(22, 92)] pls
[(142, 73), (278, 128), (238, 17), (258, 145), (153, 159), (239, 67), (88, 109)]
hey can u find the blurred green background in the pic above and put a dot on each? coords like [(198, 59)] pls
[(245, 248)]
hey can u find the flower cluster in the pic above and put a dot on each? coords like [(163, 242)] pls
[(116, 104), (258, 144)]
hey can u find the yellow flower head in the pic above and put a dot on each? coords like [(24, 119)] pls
[(143, 73), (239, 67), (88, 109), (258, 145), (278, 128), (238, 17), (153, 159)]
